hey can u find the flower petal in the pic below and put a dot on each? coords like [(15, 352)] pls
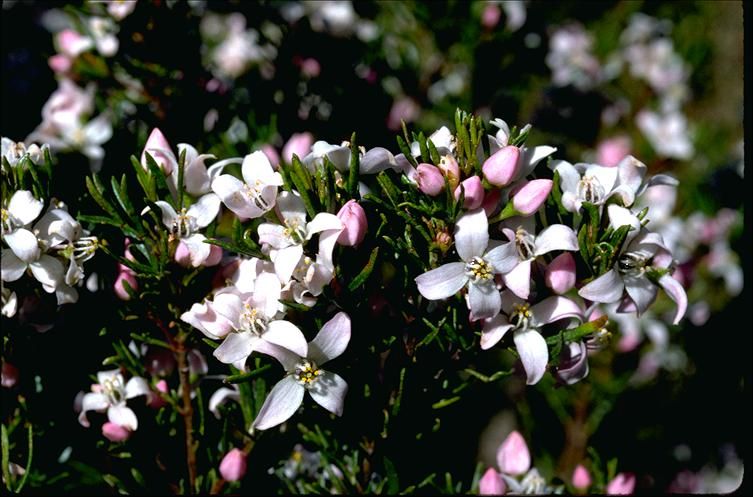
[(229, 189), (329, 391), (24, 208), (503, 258), (197, 249), (287, 335), (286, 260), (534, 354), (123, 415), (519, 279), (92, 402), (23, 243), (219, 397), (48, 271), (555, 308), (136, 386), (286, 358), (555, 237), (620, 216), (205, 209), (607, 288), (641, 290), (321, 222), (443, 281), (332, 339), (281, 403), (273, 235), (494, 330), (236, 347), (483, 300), (472, 234), (168, 213), (676, 292), (12, 267), (291, 208)]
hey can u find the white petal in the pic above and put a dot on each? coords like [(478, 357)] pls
[(504, 257), (256, 166), (509, 301), (607, 288), (569, 176), (229, 189), (136, 386), (533, 353), (620, 216), (286, 335), (606, 176), (472, 234), (168, 213), (273, 235), (555, 237), (642, 291), (332, 339), (92, 402), (205, 210), (531, 156), (519, 279), (112, 375), (236, 347), (281, 403), (221, 396), (442, 282), (65, 294), (267, 291), (483, 300), (291, 208), (12, 267), (57, 226), (198, 250), (98, 130), (327, 241), (23, 243), (321, 222), (555, 308), (286, 358), (630, 173), (24, 208), (329, 391), (123, 415), (286, 260), (493, 331), (48, 271), (676, 292)]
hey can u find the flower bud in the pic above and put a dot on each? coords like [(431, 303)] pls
[(115, 433), (513, 457), (560, 273), (449, 167), (581, 477), (429, 179), (59, 63), (158, 148), (272, 155), (119, 287), (622, 484), (155, 400), (502, 166), (491, 483), (9, 375), (355, 225), (233, 465), (529, 198), (71, 43), (610, 152), (474, 192), (443, 240), (491, 202), (299, 144), (490, 16)]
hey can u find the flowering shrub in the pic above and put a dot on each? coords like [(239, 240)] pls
[(349, 310)]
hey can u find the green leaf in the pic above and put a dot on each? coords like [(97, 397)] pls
[(5, 457), (405, 149), (241, 377), (158, 175), (361, 278), (97, 194), (393, 482), (30, 448), (354, 171)]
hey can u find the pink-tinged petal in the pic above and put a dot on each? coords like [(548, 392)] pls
[(555, 308), (531, 196), (472, 234), (12, 267), (620, 216), (555, 237), (48, 271), (92, 402), (233, 466), (622, 484), (630, 173), (255, 167), (560, 273), (513, 457), (286, 358), (136, 386), (502, 166), (483, 300), (329, 391), (503, 258), (354, 222), (519, 279), (115, 433), (287, 335), (205, 210), (24, 208), (509, 301), (641, 290), (60, 63), (123, 415), (491, 202), (158, 147), (220, 397), (286, 260), (267, 289), (323, 222), (533, 352), (205, 319), (230, 190), (23, 243), (607, 288), (473, 191), (429, 179), (198, 251), (236, 347), (281, 403), (273, 235), (676, 292), (291, 208), (442, 282), (298, 144), (491, 483), (573, 365), (494, 330), (581, 477), (332, 339), (450, 169), (168, 213)]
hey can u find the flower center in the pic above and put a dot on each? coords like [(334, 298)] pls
[(5, 217), (632, 264), (254, 194), (114, 390), (294, 231), (302, 269), (84, 248), (252, 320), (307, 372), (183, 225), (524, 243), (479, 270), (590, 190), (520, 316)]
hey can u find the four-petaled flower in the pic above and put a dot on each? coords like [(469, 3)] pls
[(256, 194), (185, 225), (111, 394)]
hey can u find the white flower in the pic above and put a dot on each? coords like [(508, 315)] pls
[(9, 303), (14, 152), (308, 280), (185, 226), (667, 133), (111, 394), (477, 269), (303, 374), (288, 240), (526, 321), (256, 194)]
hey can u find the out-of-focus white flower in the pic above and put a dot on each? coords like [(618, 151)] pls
[(119, 9), (667, 133), (15, 152), (571, 60)]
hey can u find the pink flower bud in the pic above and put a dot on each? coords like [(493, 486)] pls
[(298, 144), (474, 192), (272, 155), (513, 457), (491, 202), (581, 477), (155, 399), (622, 484), (310, 67), (9, 375), (233, 465), (560, 273), (491, 483), (449, 167), (159, 149), (610, 152), (59, 63), (529, 198), (502, 166), (71, 43), (354, 219), (429, 179), (403, 109), (119, 287), (115, 433), (490, 16)]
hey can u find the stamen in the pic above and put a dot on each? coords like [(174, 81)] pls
[(294, 231), (632, 264), (590, 190), (479, 270), (307, 372), (183, 225), (114, 389), (524, 243), (520, 316), (252, 320), (254, 194)]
